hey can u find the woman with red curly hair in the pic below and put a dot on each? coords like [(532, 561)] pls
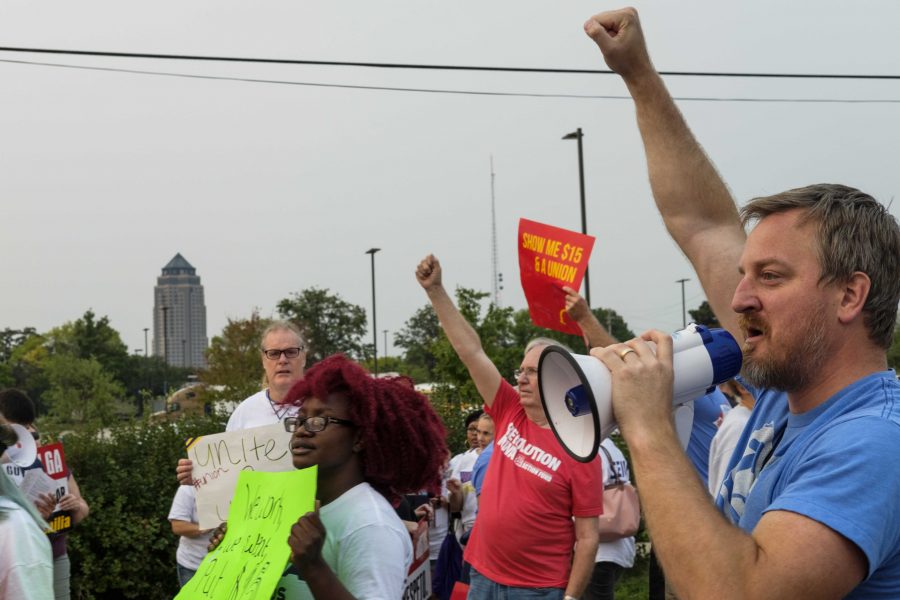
[(372, 440)]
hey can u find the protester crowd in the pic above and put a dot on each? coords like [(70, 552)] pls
[(781, 491)]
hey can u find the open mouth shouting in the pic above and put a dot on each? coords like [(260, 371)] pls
[(753, 330)]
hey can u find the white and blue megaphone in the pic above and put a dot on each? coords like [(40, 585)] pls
[(575, 388)]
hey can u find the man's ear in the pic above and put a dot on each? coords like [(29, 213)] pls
[(854, 293), (358, 444)]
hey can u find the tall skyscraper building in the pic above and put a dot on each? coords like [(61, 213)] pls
[(179, 315)]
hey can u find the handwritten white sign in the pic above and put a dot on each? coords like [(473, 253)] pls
[(218, 459)]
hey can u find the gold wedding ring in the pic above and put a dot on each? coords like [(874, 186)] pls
[(625, 352)]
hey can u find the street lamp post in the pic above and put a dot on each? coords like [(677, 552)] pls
[(371, 252), (165, 339), (683, 312), (577, 135), (385, 343), (145, 366)]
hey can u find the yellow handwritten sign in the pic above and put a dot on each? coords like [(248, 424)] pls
[(220, 457), (251, 559)]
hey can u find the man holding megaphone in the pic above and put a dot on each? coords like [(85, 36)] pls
[(809, 500), (538, 502)]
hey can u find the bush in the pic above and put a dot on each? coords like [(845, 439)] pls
[(125, 548)]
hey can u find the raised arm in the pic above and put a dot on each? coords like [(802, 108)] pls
[(460, 333), (695, 203)]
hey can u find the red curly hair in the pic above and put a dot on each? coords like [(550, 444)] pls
[(404, 448)]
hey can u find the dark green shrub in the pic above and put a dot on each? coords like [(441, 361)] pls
[(125, 548)]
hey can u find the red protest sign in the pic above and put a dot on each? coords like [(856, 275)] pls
[(550, 258), (53, 460)]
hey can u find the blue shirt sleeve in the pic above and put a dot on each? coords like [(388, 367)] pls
[(480, 468)]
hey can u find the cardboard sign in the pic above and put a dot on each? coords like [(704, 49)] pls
[(418, 581), (218, 459), (550, 258), (251, 559)]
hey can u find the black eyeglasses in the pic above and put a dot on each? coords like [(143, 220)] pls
[(274, 354), (313, 424), (529, 371)]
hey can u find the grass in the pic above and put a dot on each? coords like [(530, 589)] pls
[(635, 583)]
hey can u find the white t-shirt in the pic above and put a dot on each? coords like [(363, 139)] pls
[(461, 469), (620, 551), (191, 550), (366, 545), (257, 411), (26, 564), (723, 444), (437, 529)]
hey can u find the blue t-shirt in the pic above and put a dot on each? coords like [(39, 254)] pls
[(833, 464), (479, 470), (707, 412)]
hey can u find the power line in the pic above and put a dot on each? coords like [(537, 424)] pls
[(337, 63), (451, 91)]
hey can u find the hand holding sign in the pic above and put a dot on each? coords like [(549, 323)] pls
[(306, 540), (218, 459)]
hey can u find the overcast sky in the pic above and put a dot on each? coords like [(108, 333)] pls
[(271, 188)]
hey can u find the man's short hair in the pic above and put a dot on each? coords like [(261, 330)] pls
[(282, 326), (855, 233), (543, 341), (17, 407)]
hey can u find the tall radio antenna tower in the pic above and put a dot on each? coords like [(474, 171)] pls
[(495, 277)]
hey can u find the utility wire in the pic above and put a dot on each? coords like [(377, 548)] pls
[(336, 63), (451, 91)]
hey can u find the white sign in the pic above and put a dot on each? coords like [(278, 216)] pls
[(218, 459), (418, 582)]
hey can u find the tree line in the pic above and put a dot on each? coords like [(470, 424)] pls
[(81, 373)]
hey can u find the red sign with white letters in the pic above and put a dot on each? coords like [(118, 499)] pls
[(54, 460)]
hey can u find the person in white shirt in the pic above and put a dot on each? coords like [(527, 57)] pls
[(26, 564), (616, 556), (193, 541), (353, 545), (283, 354)]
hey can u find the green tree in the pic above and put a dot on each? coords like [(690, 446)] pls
[(417, 338), (329, 323), (80, 391), (235, 370), (26, 367), (150, 376), (10, 339), (89, 337), (704, 315)]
